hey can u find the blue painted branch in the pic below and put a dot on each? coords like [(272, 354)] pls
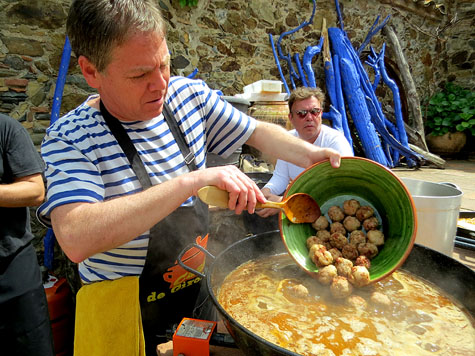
[(310, 52), (61, 80), (193, 74), (292, 73), (303, 24), (277, 63), (372, 32), (355, 98), (335, 117), (333, 86), (49, 239), (377, 62), (338, 12), (341, 101), (397, 106), (300, 70), (372, 61), (371, 94), (330, 82), (389, 138), (359, 112), (364, 79)]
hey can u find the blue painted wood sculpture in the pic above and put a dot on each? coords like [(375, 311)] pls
[(348, 85)]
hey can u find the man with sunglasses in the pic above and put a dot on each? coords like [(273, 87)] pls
[(305, 105)]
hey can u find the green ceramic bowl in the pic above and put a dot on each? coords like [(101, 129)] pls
[(371, 184)]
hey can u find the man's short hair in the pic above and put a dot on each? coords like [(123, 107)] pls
[(96, 27), (302, 93)]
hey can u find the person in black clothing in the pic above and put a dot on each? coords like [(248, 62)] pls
[(25, 327)]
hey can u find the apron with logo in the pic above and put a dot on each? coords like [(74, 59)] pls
[(167, 291)]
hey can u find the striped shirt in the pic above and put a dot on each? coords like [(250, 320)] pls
[(84, 162)]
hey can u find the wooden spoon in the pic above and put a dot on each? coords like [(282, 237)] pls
[(299, 207)]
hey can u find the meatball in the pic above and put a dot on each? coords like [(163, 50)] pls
[(312, 240), (299, 291), (357, 302), (321, 223), (343, 266), (363, 261), (338, 240), (349, 252), (337, 227), (351, 223), (340, 287), (376, 237), (324, 235), (335, 213), (326, 274), (380, 299), (368, 249), (371, 223), (335, 253), (320, 256), (359, 276), (364, 212), (350, 207), (357, 237)]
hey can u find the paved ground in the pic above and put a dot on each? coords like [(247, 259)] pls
[(460, 173)]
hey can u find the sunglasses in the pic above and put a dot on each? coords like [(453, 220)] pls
[(303, 113)]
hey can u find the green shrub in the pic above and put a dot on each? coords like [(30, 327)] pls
[(184, 3), (451, 109)]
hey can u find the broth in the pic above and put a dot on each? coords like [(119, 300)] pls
[(420, 320)]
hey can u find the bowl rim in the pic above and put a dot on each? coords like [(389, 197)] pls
[(403, 186)]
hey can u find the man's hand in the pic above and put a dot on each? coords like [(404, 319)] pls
[(266, 212), (243, 192)]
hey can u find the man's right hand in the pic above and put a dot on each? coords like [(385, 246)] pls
[(243, 191)]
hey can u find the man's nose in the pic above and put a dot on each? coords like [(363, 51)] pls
[(158, 81)]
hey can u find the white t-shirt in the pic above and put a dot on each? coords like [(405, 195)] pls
[(285, 172)]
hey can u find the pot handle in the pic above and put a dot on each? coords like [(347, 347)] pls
[(451, 185), (189, 269)]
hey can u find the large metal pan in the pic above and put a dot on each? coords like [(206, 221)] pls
[(451, 276)]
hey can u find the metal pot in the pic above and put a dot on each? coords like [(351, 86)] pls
[(437, 208), (450, 275)]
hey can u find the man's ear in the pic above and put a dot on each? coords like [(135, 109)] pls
[(290, 117), (90, 72)]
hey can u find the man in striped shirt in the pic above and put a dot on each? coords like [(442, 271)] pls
[(102, 215)]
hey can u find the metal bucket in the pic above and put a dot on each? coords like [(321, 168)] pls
[(437, 208)]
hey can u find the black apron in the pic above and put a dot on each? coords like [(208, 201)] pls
[(167, 291)]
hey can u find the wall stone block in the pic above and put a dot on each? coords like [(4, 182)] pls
[(18, 45)]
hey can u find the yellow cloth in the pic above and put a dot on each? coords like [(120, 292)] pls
[(108, 319)]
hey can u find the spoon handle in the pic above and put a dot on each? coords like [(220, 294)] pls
[(269, 204)]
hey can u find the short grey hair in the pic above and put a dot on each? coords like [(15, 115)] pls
[(96, 27), (302, 93)]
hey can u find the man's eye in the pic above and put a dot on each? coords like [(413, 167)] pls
[(138, 76)]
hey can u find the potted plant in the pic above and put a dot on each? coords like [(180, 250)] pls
[(450, 119)]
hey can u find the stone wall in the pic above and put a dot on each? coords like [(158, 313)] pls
[(228, 42)]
